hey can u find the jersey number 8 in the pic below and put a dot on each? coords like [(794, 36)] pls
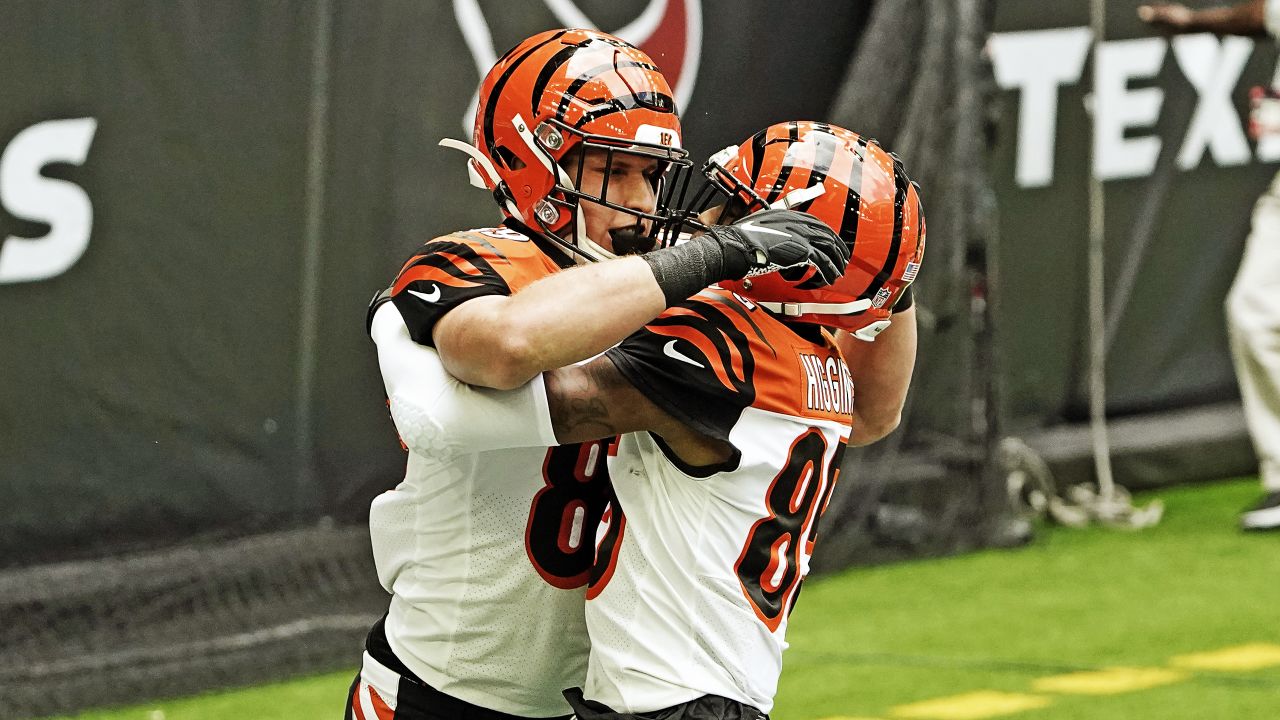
[(778, 546), (560, 535)]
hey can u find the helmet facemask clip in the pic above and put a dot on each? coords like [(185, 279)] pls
[(554, 136)]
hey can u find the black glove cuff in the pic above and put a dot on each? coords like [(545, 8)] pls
[(905, 300), (684, 270), (735, 252)]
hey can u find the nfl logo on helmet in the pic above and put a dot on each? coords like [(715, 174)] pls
[(882, 297)]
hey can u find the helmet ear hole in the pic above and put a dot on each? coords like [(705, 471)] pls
[(508, 159)]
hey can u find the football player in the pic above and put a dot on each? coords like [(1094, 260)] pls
[(487, 543), (736, 407)]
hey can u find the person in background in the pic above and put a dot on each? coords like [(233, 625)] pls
[(1253, 303)]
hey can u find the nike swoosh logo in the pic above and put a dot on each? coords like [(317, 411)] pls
[(431, 297), (670, 351), (750, 225)]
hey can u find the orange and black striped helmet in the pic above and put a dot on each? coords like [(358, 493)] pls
[(851, 184), (559, 90)]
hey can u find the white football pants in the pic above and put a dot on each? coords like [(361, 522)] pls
[(1253, 322)]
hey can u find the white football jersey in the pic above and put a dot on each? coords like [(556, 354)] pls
[(485, 547), (697, 569)]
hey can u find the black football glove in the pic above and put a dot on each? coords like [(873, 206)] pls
[(767, 241), (772, 240)]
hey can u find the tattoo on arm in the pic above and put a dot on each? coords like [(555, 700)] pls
[(579, 397), (594, 401)]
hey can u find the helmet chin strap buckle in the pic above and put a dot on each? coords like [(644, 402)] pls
[(870, 332), (546, 212)]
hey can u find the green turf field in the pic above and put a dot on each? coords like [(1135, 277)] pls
[(1189, 607)]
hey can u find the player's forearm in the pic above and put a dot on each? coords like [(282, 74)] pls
[(881, 372), (503, 342), (593, 401), (571, 316)]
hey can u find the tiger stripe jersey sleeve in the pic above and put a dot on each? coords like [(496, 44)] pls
[(695, 362), (450, 270), (440, 276)]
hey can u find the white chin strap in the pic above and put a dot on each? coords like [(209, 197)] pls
[(587, 244), (790, 309), (870, 332), (797, 196), (580, 239)]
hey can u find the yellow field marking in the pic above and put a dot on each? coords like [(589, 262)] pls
[(971, 706), (1110, 681), (983, 704), (1240, 658)]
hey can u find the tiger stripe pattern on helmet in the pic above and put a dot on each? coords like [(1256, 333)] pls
[(867, 198), (560, 90), (575, 96), (486, 113)]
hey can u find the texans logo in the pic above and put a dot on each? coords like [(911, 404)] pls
[(669, 31)]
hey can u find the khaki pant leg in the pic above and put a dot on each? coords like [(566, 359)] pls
[(1253, 321)]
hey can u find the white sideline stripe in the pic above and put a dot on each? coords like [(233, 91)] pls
[(102, 661), (381, 678)]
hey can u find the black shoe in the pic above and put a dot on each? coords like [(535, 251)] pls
[(1263, 516)]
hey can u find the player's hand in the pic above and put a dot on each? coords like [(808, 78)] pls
[(773, 240), (1171, 18)]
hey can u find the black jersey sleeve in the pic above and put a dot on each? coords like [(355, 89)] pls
[(695, 363), (442, 275)]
